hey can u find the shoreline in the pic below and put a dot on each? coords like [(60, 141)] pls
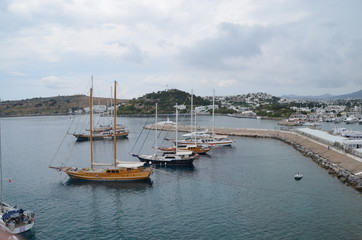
[(342, 165)]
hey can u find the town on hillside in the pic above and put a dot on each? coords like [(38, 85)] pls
[(251, 105)]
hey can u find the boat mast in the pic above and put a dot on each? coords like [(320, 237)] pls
[(91, 124), (192, 106), (114, 125), (156, 137), (213, 113), (191, 111), (1, 170), (176, 126)]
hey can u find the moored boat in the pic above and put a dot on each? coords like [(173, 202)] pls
[(100, 135), (117, 171), (15, 220), (178, 158), (199, 149), (351, 119)]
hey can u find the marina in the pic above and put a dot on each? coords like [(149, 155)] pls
[(232, 192), (338, 162)]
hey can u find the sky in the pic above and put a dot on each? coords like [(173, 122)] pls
[(302, 47)]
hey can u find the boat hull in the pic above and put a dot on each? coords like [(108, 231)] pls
[(15, 220), (197, 149), (174, 162), (109, 174), (86, 137)]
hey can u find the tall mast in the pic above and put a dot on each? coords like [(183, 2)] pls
[(114, 125), (213, 113), (176, 126), (91, 124), (110, 103), (1, 169), (156, 137), (192, 107), (195, 129)]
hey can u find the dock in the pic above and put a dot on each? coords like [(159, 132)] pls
[(346, 167)]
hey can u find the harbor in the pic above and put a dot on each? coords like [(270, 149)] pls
[(244, 191), (345, 166)]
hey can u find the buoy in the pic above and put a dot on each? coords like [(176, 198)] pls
[(298, 176)]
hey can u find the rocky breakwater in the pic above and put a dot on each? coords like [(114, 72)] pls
[(344, 175), (335, 162)]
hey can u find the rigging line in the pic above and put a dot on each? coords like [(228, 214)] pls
[(61, 142), (148, 133), (58, 149), (139, 135), (161, 130), (86, 91), (68, 131)]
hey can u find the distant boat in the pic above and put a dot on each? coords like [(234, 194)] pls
[(118, 171), (351, 119), (102, 134), (204, 138), (298, 176), (13, 220), (167, 122), (311, 124)]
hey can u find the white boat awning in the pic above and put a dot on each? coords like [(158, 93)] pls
[(127, 164)]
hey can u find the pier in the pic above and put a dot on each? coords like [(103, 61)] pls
[(346, 167)]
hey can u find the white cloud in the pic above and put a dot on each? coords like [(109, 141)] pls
[(276, 46), (227, 83)]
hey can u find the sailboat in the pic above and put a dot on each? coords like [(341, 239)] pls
[(12, 219), (205, 138), (195, 148), (107, 131), (167, 158), (118, 171)]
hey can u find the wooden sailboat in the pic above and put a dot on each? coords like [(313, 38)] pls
[(102, 132), (12, 219), (118, 171)]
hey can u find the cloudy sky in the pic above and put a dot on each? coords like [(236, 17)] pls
[(304, 47)]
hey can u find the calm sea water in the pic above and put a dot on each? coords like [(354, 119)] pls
[(246, 191)]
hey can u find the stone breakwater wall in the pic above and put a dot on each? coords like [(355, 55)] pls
[(344, 175), (336, 163)]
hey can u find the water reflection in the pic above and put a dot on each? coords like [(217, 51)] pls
[(129, 185)]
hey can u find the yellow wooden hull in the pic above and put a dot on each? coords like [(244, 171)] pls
[(108, 174), (197, 149)]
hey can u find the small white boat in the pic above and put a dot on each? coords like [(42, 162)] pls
[(351, 119), (298, 176)]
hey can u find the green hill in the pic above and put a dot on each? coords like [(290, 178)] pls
[(166, 101), (48, 106)]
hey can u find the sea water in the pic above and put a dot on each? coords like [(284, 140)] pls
[(246, 191)]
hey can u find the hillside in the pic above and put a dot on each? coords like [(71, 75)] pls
[(48, 106), (166, 101), (353, 95)]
